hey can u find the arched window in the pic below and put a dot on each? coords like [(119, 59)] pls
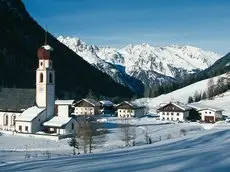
[(50, 78), (13, 117), (41, 77), (5, 119)]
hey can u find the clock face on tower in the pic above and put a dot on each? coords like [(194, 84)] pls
[(40, 88)]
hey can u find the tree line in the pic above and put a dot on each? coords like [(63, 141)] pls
[(222, 85)]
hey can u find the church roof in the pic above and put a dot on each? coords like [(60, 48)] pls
[(16, 99), (58, 121), (30, 113)]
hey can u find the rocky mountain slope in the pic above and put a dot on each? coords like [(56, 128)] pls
[(144, 62)]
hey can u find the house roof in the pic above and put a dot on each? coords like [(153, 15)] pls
[(64, 102), (90, 101), (30, 113), (106, 103), (58, 121), (200, 106), (180, 105), (131, 104), (16, 99)]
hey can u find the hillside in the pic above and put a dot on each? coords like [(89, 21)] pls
[(182, 95), (20, 38), (149, 64)]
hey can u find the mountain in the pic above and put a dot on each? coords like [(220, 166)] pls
[(89, 54), (21, 36), (144, 62)]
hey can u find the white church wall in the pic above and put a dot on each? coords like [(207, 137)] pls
[(10, 123), (23, 126)]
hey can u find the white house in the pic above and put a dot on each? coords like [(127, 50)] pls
[(87, 107), (127, 110), (209, 114), (174, 111)]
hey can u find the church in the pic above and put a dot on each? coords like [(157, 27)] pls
[(32, 111)]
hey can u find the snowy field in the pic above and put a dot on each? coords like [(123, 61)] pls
[(171, 150), (204, 150)]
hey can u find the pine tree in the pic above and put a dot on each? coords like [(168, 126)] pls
[(190, 99)]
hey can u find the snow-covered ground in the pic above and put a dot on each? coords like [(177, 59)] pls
[(182, 95), (205, 150)]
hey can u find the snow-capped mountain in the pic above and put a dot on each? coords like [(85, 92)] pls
[(144, 62)]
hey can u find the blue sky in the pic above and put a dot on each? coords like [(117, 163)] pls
[(117, 23)]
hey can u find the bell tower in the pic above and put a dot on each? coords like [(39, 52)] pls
[(45, 81)]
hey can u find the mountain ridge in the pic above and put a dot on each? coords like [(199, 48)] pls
[(146, 63)]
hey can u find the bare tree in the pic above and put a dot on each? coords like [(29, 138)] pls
[(85, 131), (75, 144), (128, 134)]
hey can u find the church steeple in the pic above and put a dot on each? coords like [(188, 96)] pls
[(45, 80)]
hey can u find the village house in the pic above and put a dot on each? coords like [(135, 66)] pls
[(107, 107), (87, 107), (128, 110), (208, 114), (174, 111)]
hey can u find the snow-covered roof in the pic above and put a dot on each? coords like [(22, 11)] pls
[(131, 104), (64, 102), (106, 103), (30, 113), (180, 105), (48, 47), (200, 106), (90, 101), (58, 121)]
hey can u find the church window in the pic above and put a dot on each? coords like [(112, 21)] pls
[(13, 117), (50, 78), (20, 128), (41, 63), (5, 119), (41, 77), (26, 128)]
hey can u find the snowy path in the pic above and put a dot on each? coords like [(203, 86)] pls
[(206, 151)]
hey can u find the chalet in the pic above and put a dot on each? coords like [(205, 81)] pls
[(87, 107), (208, 114), (107, 107), (127, 110), (13, 101), (174, 111)]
